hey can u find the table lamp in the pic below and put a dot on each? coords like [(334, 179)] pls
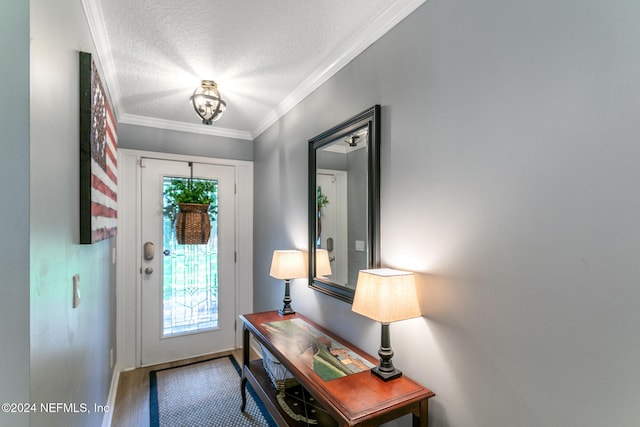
[(386, 295), (323, 264), (287, 265)]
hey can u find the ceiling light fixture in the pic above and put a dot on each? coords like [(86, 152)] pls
[(207, 102), (352, 140)]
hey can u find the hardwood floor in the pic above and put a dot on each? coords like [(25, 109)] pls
[(131, 408)]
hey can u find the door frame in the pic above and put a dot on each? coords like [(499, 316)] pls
[(129, 248), (340, 214)]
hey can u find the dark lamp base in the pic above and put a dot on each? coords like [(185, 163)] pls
[(286, 310), (385, 369), (385, 375)]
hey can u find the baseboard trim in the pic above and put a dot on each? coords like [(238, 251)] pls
[(111, 399)]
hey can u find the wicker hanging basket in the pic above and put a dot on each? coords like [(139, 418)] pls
[(192, 224)]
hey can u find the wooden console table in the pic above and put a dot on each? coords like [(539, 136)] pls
[(357, 399)]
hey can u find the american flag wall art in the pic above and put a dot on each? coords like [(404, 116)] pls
[(98, 157)]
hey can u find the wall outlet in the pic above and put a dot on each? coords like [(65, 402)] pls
[(76, 290)]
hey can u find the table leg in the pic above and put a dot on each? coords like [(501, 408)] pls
[(243, 390), (423, 419), (245, 365)]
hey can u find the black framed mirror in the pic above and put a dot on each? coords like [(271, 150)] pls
[(344, 204)]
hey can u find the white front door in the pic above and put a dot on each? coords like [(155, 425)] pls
[(188, 291), (333, 235)]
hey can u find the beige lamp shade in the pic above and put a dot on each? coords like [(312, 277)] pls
[(323, 265), (288, 264), (386, 295)]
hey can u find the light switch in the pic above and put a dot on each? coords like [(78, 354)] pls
[(76, 290), (360, 245)]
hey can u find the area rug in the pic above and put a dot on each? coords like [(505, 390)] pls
[(204, 394)]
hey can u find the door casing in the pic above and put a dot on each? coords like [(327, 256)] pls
[(129, 248)]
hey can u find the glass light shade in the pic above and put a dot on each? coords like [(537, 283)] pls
[(386, 295), (207, 102), (288, 264), (323, 265)]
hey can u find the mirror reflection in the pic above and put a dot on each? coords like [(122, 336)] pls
[(344, 204), (341, 204)]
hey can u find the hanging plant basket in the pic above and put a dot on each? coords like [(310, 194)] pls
[(192, 224)]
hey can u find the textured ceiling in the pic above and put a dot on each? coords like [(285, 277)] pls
[(265, 55)]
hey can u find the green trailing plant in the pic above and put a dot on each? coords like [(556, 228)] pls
[(321, 199), (198, 191), (190, 191)]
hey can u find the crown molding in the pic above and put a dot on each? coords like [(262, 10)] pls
[(396, 12), (98, 29), (131, 119)]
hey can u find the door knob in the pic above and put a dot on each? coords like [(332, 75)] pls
[(148, 270), (330, 244)]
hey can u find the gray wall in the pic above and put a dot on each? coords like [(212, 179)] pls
[(69, 347), (509, 184), (14, 224), (167, 141)]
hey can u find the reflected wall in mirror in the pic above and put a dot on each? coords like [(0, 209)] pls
[(344, 203)]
